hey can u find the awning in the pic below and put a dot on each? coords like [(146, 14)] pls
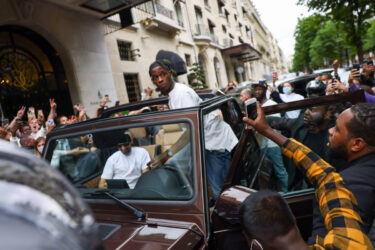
[(243, 52), (111, 6)]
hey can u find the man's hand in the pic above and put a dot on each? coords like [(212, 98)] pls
[(103, 184), (21, 112), (260, 124), (274, 78), (78, 151), (149, 91), (354, 75), (158, 160), (367, 70), (17, 125), (335, 64), (52, 104)]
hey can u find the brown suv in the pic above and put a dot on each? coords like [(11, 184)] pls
[(170, 207)]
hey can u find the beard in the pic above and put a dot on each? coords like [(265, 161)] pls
[(338, 152)]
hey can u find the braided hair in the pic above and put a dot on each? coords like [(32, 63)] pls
[(363, 122)]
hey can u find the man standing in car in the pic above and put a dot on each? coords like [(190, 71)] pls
[(219, 137)]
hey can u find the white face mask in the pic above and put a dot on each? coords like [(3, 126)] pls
[(40, 149)]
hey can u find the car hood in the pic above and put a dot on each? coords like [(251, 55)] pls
[(151, 234)]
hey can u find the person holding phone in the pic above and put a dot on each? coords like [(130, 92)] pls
[(353, 80), (273, 152)]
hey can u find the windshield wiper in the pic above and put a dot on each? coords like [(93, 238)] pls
[(140, 214)]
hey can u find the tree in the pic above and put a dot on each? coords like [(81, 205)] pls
[(352, 14), (369, 41), (305, 34), (196, 78), (328, 45)]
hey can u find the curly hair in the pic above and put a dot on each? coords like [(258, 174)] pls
[(363, 122)]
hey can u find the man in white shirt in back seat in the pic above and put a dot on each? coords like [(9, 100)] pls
[(129, 163), (219, 136)]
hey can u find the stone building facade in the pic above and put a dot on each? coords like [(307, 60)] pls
[(226, 37)]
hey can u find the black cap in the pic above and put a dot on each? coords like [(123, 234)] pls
[(125, 139), (261, 83)]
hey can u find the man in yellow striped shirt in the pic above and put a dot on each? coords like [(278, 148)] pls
[(267, 220)]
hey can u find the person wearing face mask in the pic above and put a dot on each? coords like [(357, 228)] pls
[(287, 96), (39, 145)]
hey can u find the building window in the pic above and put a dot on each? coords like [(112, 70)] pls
[(124, 49), (188, 60), (132, 87), (224, 29), (178, 11)]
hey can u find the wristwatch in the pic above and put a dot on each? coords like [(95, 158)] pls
[(169, 152)]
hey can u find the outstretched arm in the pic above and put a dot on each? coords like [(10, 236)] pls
[(336, 203)]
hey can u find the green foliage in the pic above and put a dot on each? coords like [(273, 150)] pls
[(328, 44), (305, 34), (196, 78), (352, 15), (369, 41)]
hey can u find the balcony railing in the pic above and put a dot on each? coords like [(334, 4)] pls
[(214, 39), (164, 11), (228, 42), (201, 30)]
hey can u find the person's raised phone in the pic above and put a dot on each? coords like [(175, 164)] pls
[(251, 108)]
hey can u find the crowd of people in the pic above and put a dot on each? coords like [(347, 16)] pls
[(29, 127), (344, 199)]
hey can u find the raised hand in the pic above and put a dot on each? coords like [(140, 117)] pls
[(52, 104), (21, 112)]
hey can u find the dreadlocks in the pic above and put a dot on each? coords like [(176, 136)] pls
[(363, 122)]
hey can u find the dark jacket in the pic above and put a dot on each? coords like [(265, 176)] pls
[(359, 178)]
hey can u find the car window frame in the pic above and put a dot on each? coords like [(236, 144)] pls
[(135, 124)]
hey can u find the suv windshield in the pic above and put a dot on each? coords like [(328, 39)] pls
[(117, 159)]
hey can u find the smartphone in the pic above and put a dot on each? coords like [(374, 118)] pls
[(356, 66), (251, 108)]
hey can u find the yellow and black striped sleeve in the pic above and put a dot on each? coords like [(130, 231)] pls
[(337, 204)]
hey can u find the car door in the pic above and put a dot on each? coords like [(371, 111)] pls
[(167, 205)]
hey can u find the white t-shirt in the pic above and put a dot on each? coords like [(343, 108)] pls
[(128, 167), (292, 97), (219, 135), (266, 141)]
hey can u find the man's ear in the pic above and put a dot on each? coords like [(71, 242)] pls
[(357, 144)]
